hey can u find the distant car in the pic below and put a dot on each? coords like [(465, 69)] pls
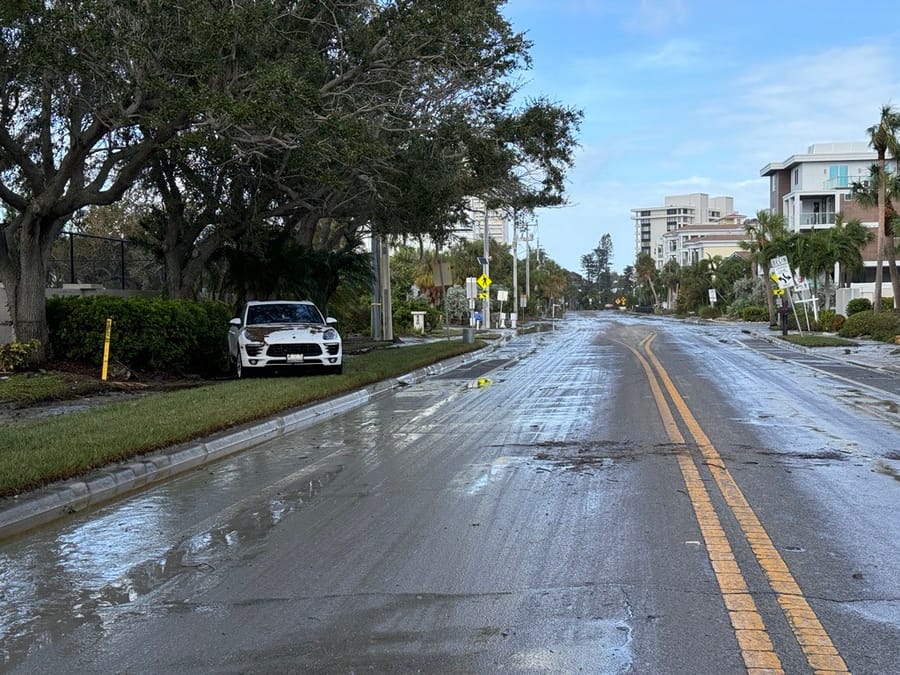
[(283, 334)]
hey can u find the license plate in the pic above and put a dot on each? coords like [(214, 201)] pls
[(294, 358)]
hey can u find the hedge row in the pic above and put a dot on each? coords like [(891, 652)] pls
[(148, 334), (882, 326)]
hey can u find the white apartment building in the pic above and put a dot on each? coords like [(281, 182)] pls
[(809, 189), (473, 230), (678, 211)]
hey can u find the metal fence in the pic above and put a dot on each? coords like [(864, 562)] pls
[(103, 261)]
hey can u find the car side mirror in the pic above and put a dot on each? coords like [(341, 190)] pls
[(331, 320), (236, 321)]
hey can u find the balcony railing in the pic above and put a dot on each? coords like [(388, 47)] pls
[(844, 182), (809, 218)]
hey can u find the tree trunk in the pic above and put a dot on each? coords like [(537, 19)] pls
[(28, 301), (891, 251), (879, 235), (770, 295)]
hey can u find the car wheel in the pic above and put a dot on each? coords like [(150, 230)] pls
[(239, 372), (336, 370)]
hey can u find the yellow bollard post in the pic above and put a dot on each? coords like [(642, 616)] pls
[(106, 350)]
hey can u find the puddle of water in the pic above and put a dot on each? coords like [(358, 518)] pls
[(113, 562)]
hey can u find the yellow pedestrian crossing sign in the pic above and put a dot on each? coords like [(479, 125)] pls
[(483, 296), (484, 281)]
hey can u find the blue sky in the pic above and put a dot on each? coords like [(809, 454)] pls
[(684, 96)]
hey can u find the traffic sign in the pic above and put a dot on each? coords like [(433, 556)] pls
[(781, 272), (483, 295), (484, 281)]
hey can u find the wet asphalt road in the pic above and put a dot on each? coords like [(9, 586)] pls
[(540, 523)]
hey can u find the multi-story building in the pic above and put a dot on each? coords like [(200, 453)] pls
[(473, 230), (678, 211), (810, 189), (691, 243)]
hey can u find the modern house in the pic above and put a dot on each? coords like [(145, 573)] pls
[(691, 243), (678, 211), (810, 189)]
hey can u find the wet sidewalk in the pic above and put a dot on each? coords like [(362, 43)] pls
[(865, 353)]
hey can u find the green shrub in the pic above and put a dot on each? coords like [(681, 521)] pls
[(830, 321), (402, 315), (858, 305), (747, 292), (147, 333), (17, 355), (887, 303), (708, 312), (755, 313), (881, 326)]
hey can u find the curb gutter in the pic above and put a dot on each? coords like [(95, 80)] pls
[(33, 509)]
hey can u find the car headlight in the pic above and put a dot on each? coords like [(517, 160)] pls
[(330, 334)]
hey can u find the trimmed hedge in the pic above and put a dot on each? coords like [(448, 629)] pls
[(881, 326), (830, 321), (857, 305), (755, 313), (154, 334)]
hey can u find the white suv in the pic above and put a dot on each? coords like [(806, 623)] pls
[(283, 333)]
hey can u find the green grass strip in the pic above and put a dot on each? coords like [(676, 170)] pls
[(818, 341), (30, 388), (37, 452)]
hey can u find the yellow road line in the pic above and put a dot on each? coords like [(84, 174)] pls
[(753, 640), (817, 646)]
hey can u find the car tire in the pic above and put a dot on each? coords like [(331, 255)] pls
[(239, 371), (336, 370)]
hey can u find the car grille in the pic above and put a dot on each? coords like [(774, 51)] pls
[(302, 348), (253, 350), (332, 349)]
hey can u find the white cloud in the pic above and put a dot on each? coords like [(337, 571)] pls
[(779, 108), (672, 54), (657, 16), (700, 183)]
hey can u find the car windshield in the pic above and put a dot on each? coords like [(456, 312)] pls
[(283, 313)]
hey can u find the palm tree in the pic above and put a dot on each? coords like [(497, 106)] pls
[(883, 139), (848, 239), (670, 275), (766, 238), (813, 254), (867, 195), (645, 271)]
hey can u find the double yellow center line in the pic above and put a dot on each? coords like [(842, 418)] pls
[(752, 636)]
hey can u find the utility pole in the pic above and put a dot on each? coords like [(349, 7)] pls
[(486, 269), (382, 314), (514, 314), (376, 288), (527, 263)]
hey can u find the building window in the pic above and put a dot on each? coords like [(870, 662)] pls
[(796, 176), (838, 176), (645, 214)]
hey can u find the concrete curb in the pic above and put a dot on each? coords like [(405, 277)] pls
[(31, 510)]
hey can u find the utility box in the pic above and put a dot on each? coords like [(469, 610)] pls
[(419, 322), (468, 335)]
